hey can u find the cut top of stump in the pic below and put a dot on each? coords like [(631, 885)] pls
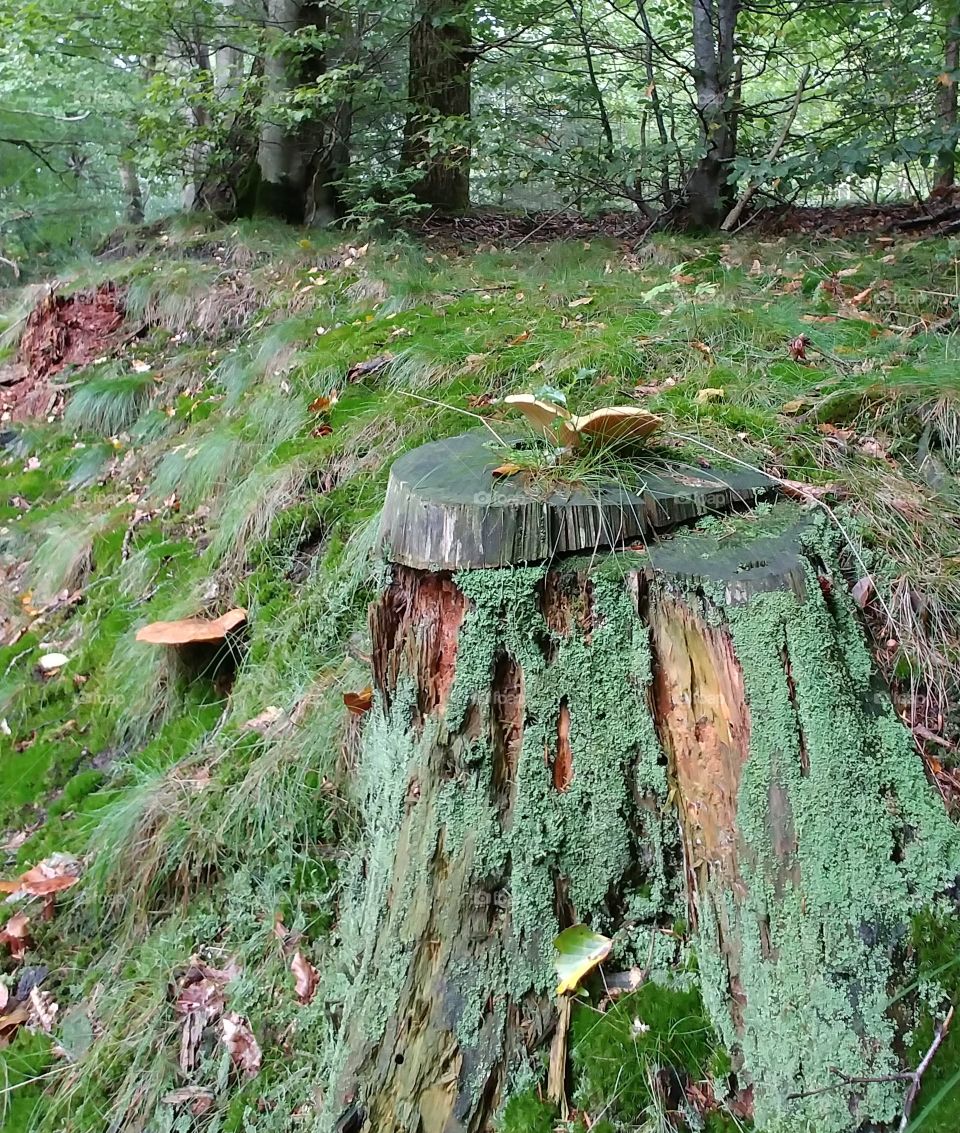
[(445, 509)]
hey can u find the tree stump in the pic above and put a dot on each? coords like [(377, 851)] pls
[(624, 710)]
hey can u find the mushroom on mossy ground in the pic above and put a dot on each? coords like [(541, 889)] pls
[(205, 647)]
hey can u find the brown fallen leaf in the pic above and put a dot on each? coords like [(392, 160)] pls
[(322, 430), (359, 702), (241, 1044), (861, 590), (324, 404), (201, 1001), (861, 296), (798, 348), (370, 366), (685, 278), (16, 936), (806, 493), (504, 470), (520, 338), (305, 977), (264, 720), (582, 302), (12, 1022), (702, 347)]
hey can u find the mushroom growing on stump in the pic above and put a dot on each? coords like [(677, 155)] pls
[(206, 647), (567, 730)]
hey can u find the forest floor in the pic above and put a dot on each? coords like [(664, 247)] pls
[(203, 420)]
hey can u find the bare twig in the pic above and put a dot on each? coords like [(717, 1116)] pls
[(737, 211), (917, 1076)]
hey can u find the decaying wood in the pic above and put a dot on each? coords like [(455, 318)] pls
[(443, 917), (445, 510)]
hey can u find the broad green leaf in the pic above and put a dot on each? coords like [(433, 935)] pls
[(578, 951)]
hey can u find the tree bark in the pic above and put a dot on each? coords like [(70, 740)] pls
[(947, 99), (593, 740), (708, 194), (300, 165), (438, 93), (132, 193)]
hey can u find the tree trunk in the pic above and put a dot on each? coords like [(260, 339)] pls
[(299, 164), (947, 100), (610, 739), (132, 193), (708, 194), (439, 100)]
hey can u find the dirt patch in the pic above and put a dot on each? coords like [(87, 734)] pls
[(61, 331)]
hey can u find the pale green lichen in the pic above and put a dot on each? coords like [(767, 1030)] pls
[(873, 846), (816, 958)]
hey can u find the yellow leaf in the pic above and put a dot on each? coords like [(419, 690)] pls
[(705, 396), (504, 470), (578, 951)]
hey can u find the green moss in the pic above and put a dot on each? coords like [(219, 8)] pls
[(22, 1067), (935, 946), (526, 1113), (615, 1053)]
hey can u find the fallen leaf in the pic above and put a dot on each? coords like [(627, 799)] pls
[(844, 273), (140, 367), (324, 404), (43, 1010), (241, 1044), (581, 302), (861, 296), (264, 720), (795, 406), (522, 337), (479, 400), (705, 396), (15, 935), (52, 662), (359, 702), (305, 977), (504, 470), (323, 430), (685, 278), (370, 366), (578, 950), (798, 348), (12, 1022), (702, 347), (861, 590)]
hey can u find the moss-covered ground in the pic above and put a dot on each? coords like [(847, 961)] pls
[(195, 470)]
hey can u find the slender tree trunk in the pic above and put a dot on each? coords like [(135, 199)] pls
[(132, 193), (708, 194), (947, 99), (439, 98)]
